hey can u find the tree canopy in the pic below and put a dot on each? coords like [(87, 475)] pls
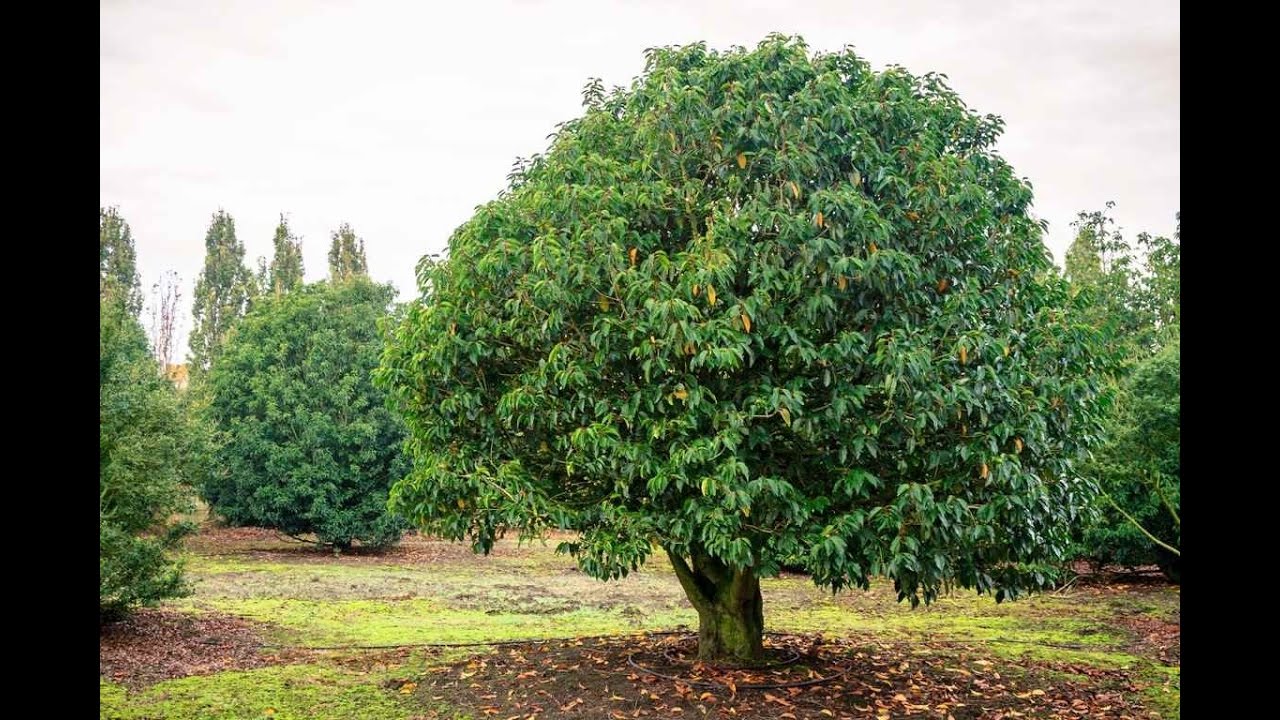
[(761, 307)]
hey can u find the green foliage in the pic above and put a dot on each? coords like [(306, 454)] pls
[(762, 305), (309, 444), (1134, 298), (117, 260), (346, 255), (222, 292), (286, 264), (1140, 469), (149, 452)]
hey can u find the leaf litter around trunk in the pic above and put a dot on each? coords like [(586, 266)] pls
[(592, 680)]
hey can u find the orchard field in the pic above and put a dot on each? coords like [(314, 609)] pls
[(256, 641)]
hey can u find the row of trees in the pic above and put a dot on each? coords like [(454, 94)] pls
[(227, 289), (282, 427)]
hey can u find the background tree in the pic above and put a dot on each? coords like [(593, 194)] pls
[(1133, 297), (286, 263), (309, 445), (149, 454), (761, 307), (1139, 470), (117, 259), (163, 311), (346, 255), (222, 291)]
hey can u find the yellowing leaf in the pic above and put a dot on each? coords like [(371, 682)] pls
[(786, 416), (964, 355), (842, 282), (462, 503), (632, 255), (985, 471), (696, 289), (681, 394), (742, 160), (673, 140), (746, 511), (746, 322), (711, 295), (913, 216), (410, 687), (872, 248), (604, 304), (795, 190), (269, 712), (1017, 442), (819, 219), (943, 284), (1006, 351)]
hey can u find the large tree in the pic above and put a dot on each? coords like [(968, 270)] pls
[(761, 307), (309, 443), (286, 264), (118, 260), (346, 255), (222, 291)]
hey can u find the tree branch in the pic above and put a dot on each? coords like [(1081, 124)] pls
[(688, 579), (1141, 529)]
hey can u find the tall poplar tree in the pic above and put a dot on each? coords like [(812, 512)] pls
[(222, 291), (286, 264), (117, 259), (346, 255)]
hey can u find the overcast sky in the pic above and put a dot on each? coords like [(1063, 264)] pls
[(401, 117)]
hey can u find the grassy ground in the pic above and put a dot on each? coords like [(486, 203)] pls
[(427, 591)]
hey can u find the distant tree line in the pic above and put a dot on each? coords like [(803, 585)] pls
[(282, 426)]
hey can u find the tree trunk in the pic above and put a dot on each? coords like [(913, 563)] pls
[(730, 609)]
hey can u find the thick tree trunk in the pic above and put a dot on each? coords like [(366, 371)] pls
[(730, 609)]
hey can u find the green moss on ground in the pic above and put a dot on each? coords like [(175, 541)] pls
[(340, 687), (287, 692), (315, 623)]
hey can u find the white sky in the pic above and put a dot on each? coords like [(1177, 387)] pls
[(401, 117)]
